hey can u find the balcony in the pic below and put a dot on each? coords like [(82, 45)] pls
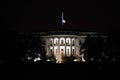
[(62, 44), (67, 44)]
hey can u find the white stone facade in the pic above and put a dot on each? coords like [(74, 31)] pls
[(61, 46), (65, 44)]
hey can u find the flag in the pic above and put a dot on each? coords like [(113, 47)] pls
[(63, 21)]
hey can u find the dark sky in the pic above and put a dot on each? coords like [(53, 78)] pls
[(25, 16)]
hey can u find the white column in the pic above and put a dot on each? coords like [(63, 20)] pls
[(53, 47), (59, 45), (65, 46), (77, 47), (47, 46), (71, 46)]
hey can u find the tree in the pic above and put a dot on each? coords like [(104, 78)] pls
[(88, 46), (34, 45)]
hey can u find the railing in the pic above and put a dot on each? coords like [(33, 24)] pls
[(62, 44)]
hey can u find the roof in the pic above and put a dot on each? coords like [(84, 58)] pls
[(46, 33)]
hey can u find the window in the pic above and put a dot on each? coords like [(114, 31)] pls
[(51, 51), (73, 42), (56, 42), (68, 41), (61, 41), (50, 42), (61, 51)]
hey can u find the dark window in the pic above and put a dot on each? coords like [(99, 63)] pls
[(50, 42), (68, 41), (56, 42), (61, 41), (73, 42), (51, 51)]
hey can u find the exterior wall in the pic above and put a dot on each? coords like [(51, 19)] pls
[(71, 44), (55, 49), (68, 45)]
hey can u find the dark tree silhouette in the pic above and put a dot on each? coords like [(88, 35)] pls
[(12, 50), (94, 46), (98, 48), (114, 43), (88, 46), (33, 46)]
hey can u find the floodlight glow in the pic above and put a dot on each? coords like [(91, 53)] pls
[(29, 58), (83, 60), (48, 60), (75, 60), (37, 59), (64, 21)]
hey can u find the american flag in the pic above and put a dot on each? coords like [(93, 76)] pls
[(63, 21)]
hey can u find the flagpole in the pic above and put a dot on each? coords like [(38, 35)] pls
[(62, 18)]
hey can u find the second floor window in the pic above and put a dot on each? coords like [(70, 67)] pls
[(50, 42), (73, 42), (68, 41), (56, 41), (61, 49), (61, 41)]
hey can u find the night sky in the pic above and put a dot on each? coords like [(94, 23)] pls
[(34, 16), (31, 16)]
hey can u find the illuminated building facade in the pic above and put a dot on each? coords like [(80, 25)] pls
[(62, 44)]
